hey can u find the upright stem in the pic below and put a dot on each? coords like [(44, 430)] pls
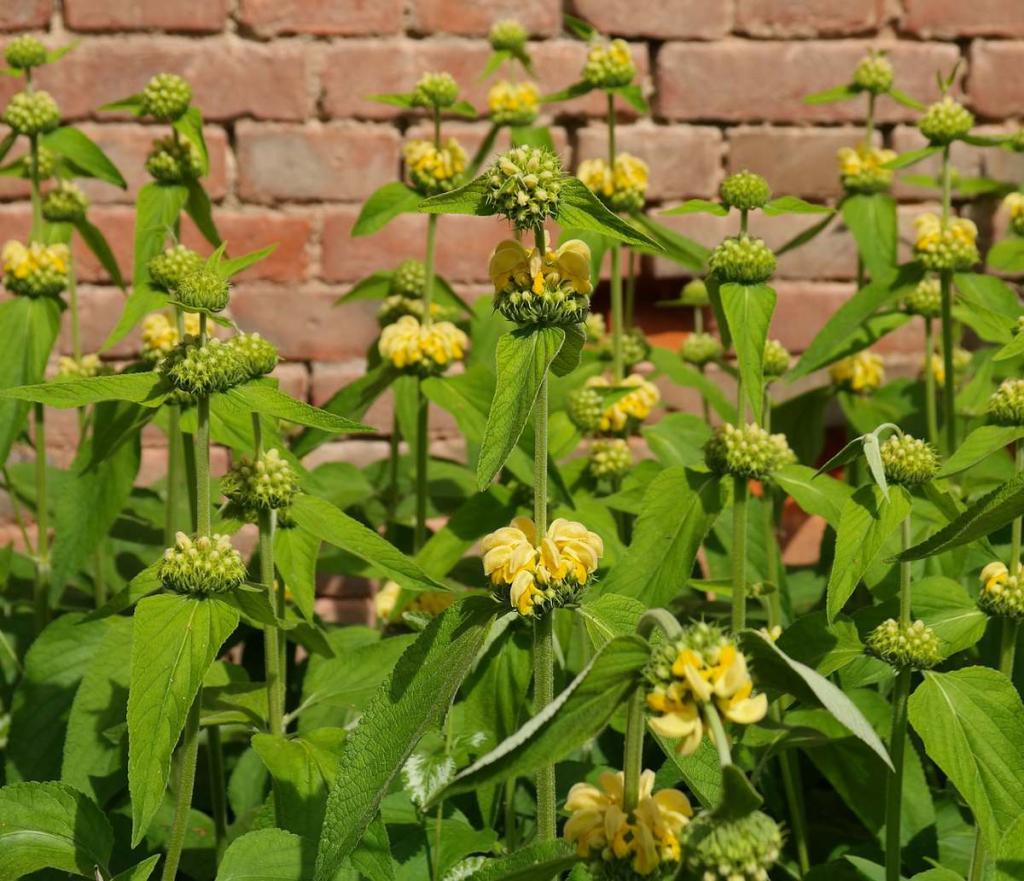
[(630, 289), (739, 554), (929, 383), (743, 221), (218, 801), (37, 199), (717, 730), (698, 319), (393, 460), (422, 462), (869, 122), (511, 833), (633, 756), (906, 534), (949, 389), (187, 755), (174, 467), (202, 445), (618, 369), (42, 583)]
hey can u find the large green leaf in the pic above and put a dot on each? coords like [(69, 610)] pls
[(295, 554), (97, 243), (701, 771), (523, 359), (814, 493), (610, 615), (383, 206), (972, 725), (952, 613), (270, 401), (673, 246), (1010, 856), (81, 151), (415, 695), (190, 126), (539, 861), (140, 871), (988, 305), (579, 207), (266, 855), (199, 208), (980, 444), (176, 639), (872, 220), (748, 309), (51, 826), (146, 388), (1007, 255)]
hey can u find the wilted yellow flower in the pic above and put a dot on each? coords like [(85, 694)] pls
[(863, 372), (430, 602), (36, 270), (1001, 593), (434, 169), (949, 244), (624, 188), (79, 368), (862, 168), (994, 577), (513, 103), (646, 838), (429, 348), (531, 289), (635, 405)]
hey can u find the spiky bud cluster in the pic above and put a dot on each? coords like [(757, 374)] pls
[(32, 113), (609, 65), (700, 349), (862, 168), (173, 161), (46, 163), (746, 451), (523, 185), (24, 53), (609, 457), (908, 461), (595, 327), (776, 359), (36, 270), (1001, 593), (79, 368), (408, 279), (204, 565), (201, 369), (167, 270), (435, 90), (554, 305), (945, 121), (203, 290), (732, 850), (585, 406), (905, 645), (513, 103), (507, 35), (635, 348), (434, 169), (745, 191), (946, 245), (1014, 205), (873, 74), (258, 356), (267, 483), (166, 97), (743, 259), (925, 298), (65, 203), (695, 293), (1006, 406)]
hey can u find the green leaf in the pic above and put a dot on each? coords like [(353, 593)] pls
[(140, 871), (700, 771), (6, 143), (979, 445), (464, 109), (697, 206), (79, 149), (571, 350), (270, 401), (1007, 255), (946, 607), (972, 725), (576, 90), (748, 309), (142, 585), (295, 554), (176, 638), (326, 522), (146, 388), (984, 295), (190, 126), (539, 861), (739, 798), (531, 136), (1010, 856), (905, 99), (610, 615), (633, 95), (673, 246), (816, 494), (802, 238), (467, 199), (793, 205), (865, 524), (234, 265), (833, 95), (415, 695), (912, 157), (198, 207), (579, 207), (688, 376), (383, 206), (872, 220), (51, 826), (133, 104), (403, 99), (96, 242), (873, 455), (266, 855), (678, 439), (1013, 349), (523, 359)]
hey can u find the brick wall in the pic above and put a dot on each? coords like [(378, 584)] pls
[(296, 146)]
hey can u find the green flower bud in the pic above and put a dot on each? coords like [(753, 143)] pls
[(945, 244), (743, 259), (908, 461), (166, 97), (200, 370), (507, 35), (166, 270), (46, 163), (203, 289), (409, 279), (257, 355), (695, 293), (32, 113), (66, 203), (1006, 406), (784, 454), (905, 645), (268, 483), (36, 270), (873, 74), (746, 451), (776, 359), (523, 185), (85, 367), (745, 191), (205, 565), (174, 162), (732, 850), (609, 65), (609, 457), (395, 306), (595, 327), (700, 349), (945, 121), (925, 298), (1001, 594), (585, 406), (435, 90), (557, 304), (635, 348), (25, 52)]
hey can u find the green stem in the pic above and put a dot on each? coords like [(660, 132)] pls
[(894, 791), (174, 475), (218, 802), (630, 290), (743, 221), (394, 456), (611, 133), (202, 444), (422, 462), (437, 127), (633, 756), (741, 401), (906, 533), (739, 554), (797, 811), (714, 724), (1015, 529), (187, 754), (947, 184), (949, 389), (618, 369), (929, 383), (698, 319), (272, 634), (543, 694), (869, 123), (42, 581), (428, 282), (16, 510), (37, 199)]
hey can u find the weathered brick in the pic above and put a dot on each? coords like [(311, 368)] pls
[(808, 18), (117, 223), (967, 161), (99, 309), (1002, 165), (994, 82), (293, 379), (540, 17), (682, 19), (684, 160), (21, 15), (354, 17), (314, 162), (954, 18), (745, 81), (250, 230), (143, 15)]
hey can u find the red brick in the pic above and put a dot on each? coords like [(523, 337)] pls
[(681, 19), (354, 17), (808, 18), (246, 231), (967, 161), (663, 148), (994, 82), (358, 451), (143, 15), (743, 81), (20, 15), (541, 17), (293, 379), (1002, 164), (314, 162), (99, 309), (117, 223), (953, 18)]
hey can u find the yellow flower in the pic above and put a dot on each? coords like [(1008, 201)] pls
[(159, 335), (35, 269), (601, 829), (994, 577), (1014, 203), (513, 103), (407, 344), (862, 168), (568, 265), (949, 244), (431, 602), (635, 405), (434, 169), (385, 599), (863, 372), (622, 189)]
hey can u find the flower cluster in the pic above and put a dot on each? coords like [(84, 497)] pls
[(25, 52), (635, 348), (609, 65), (507, 35), (905, 645), (589, 412), (204, 290), (409, 279), (513, 103), (743, 259), (523, 185), (65, 203), (166, 97), (862, 372), (173, 161), (395, 307), (701, 349), (257, 355), (622, 188), (908, 461), (435, 90), (1001, 593), (862, 168), (160, 336), (553, 289), (695, 293), (744, 849), (873, 74), (609, 457), (425, 349), (79, 368), (595, 327), (434, 169), (1014, 204), (936, 363), (267, 483), (925, 298), (552, 572), (207, 564), (32, 113), (35, 270), (1006, 406), (645, 840), (746, 451), (776, 360), (427, 602), (945, 121), (701, 669), (745, 191), (949, 244), (200, 369), (166, 270)]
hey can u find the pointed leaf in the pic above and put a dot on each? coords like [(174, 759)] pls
[(270, 401), (78, 148), (570, 352), (979, 445), (872, 220), (266, 855), (912, 157), (698, 206), (146, 388), (831, 96), (190, 126), (579, 207), (1007, 255), (383, 206), (467, 199), (748, 309), (539, 861), (198, 207), (234, 265), (793, 205), (689, 376), (96, 242), (816, 494)]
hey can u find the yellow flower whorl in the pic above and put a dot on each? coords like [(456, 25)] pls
[(862, 372), (426, 349), (629, 411), (949, 244), (433, 169), (623, 188), (513, 103), (35, 270), (1014, 204), (550, 290), (862, 168)]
